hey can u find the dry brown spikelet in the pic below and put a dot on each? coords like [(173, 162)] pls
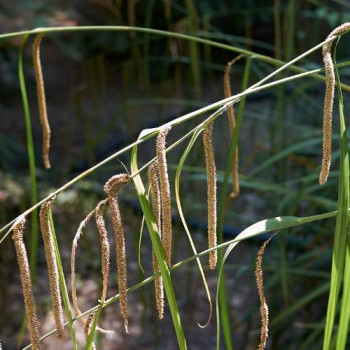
[(44, 121), (328, 102), (87, 327), (105, 251), (52, 266), (29, 302), (156, 208), (105, 261), (112, 187), (166, 228), (72, 262), (232, 124), (211, 192), (264, 310)]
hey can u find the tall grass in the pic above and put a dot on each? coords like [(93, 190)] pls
[(163, 249)]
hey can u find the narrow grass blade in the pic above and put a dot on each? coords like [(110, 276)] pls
[(182, 216), (290, 150), (63, 285), (158, 249), (296, 306), (312, 338), (341, 230), (31, 157), (90, 339), (139, 258), (343, 326)]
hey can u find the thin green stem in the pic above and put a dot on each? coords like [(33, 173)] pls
[(31, 158), (257, 56)]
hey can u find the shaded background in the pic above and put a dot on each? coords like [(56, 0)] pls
[(103, 88)]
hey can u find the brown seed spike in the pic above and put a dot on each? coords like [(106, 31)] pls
[(232, 124), (105, 261), (112, 187), (52, 266), (28, 295), (156, 208), (44, 121), (211, 192), (87, 326), (100, 223), (328, 102), (166, 228), (264, 310), (72, 262)]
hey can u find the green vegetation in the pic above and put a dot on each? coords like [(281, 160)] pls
[(276, 106)]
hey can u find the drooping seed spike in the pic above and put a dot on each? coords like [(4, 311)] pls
[(44, 121), (328, 102), (211, 192), (156, 208), (232, 125), (228, 92), (264, 310), (166, 226), (105, 250), (112, 186), (52, 267), (76, 239), (28, 295)]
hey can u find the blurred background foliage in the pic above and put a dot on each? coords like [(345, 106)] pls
[(103, 88)]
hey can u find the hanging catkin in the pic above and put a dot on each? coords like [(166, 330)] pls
[(156, 208), (72, 263), (328, 102), (44, 121), (232, 124), (98, 211), (166, 228), (112, 187), (100, 223), (264, 310), (211, 192), (27, 288), (52, 266)]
